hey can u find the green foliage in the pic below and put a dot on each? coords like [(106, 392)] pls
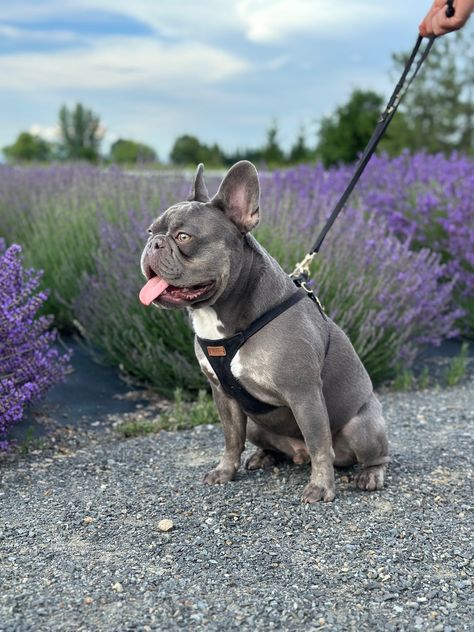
[(404, 379), (272, 153), (31, 442), (397, 137), (138, 427), (188, 150), (28, 148), (300, 152), (188, 414), (458, 366), (423, 380), (439, 107), (344, 134), (181, 415), (80, 133), (130, 152), (203, 411)]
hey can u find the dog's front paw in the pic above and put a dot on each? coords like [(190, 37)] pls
[(219, 476), (314, 493)]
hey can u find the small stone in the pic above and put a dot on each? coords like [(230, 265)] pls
[(88, 600), (165, 525), (117, 587), (88, 520)]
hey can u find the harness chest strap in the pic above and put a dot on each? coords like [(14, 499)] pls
[(221, 352)]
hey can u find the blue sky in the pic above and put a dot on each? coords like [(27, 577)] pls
[(219, 69)]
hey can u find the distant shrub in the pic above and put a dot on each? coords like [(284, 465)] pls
[(29, 364), (130, 152)]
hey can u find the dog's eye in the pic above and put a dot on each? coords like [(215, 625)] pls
[(183, 237), (150, 231)]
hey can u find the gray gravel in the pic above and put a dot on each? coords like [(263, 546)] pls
[(80, 547)]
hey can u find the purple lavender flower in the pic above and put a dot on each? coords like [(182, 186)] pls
[(29, 365)]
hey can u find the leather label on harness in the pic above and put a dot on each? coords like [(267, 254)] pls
[(216, 351)]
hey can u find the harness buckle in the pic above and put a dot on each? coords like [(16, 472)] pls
[(303, 267), (300, 277)]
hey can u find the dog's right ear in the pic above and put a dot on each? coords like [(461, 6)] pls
[(199, 191)]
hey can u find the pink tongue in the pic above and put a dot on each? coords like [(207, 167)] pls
[(152, 289)]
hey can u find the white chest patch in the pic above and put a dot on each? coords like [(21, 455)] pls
[(206, 324), (236, 366)]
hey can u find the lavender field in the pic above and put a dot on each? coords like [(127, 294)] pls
[(396, 271)]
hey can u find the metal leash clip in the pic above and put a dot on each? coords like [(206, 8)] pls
[(303, 267), (300, 277)]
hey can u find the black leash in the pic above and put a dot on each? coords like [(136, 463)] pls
[(301, 273)]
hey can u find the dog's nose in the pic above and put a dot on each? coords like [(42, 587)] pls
[(157, 242)]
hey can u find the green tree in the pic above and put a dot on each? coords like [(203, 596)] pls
[(80, 133), (188, 150), (439, 106), (27, 148), (131, 152), (271, 152), (300, 152), (344, 134)]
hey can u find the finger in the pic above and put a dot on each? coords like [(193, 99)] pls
[(425, 29), (441, 24)]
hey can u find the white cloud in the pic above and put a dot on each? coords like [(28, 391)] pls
[(118, 63), (50, 133), (261, 21), (36, 35), (174, 19), (267, 21)]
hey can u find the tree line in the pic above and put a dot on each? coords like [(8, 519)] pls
[(436, 115)]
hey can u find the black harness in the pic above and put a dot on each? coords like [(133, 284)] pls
[(221, 352)]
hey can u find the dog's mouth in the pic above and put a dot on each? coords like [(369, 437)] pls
[(158, 290)]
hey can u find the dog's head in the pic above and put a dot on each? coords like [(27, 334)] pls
[(194, 248)]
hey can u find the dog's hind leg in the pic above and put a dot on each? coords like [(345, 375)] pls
[(273, 448), (364, 440)]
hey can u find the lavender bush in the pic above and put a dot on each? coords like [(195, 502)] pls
[(29, 365), (428, 202)]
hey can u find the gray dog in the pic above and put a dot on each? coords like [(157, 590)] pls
[(283, 375)]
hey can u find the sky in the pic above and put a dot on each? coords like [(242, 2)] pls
[(221, 70)]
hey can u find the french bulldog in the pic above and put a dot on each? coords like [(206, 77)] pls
[(200, 256)]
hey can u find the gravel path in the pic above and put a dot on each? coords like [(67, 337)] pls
[(80, 547)]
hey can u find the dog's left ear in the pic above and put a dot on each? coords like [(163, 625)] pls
[(199, 190), (239, 196)]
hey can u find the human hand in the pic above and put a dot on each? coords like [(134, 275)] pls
[(436, 22)]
